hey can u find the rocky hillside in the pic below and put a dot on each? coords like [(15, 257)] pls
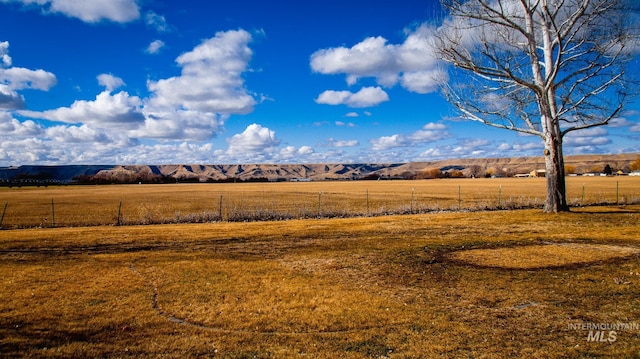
[(314, 172)]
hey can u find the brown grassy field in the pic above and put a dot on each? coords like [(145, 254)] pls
[(404, 286), (188, 203)]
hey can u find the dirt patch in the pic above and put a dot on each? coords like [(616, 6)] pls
[(543, 255)]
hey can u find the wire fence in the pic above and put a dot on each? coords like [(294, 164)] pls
[(201, 203)]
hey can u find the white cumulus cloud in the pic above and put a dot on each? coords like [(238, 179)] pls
[(345, 124), (588, 138), (4, 54), (90, 11), (291, 153), (430, 132), (254, 140), (425, 81), (119, 111), (412, 63), (305, 150), (211, 79), (18, 78), (157, 22), (28, 142), (110, 82), (13, 79), (10, 99), (341, 143), (155, 47), (180, 125), (210, 88), (12, 128), (387, 142), (366, 97), (76, 134)]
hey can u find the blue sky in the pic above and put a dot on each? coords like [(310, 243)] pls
[(281, 81)]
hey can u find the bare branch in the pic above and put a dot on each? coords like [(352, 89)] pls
[(566, 63), (600, 122)]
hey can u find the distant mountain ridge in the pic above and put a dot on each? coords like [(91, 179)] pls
[(287, 172)]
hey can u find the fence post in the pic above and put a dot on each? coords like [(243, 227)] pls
[(413, 190), (617, 190), (53, 214), (368, 213), (500, 196), (582, 202), (459, 199), (220, 209), (3, 212), (119, 211)]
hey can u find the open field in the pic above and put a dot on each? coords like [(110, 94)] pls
[(403, 286), (187, 203)]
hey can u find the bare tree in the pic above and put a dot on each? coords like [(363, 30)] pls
[(540, 67), (476, 171)]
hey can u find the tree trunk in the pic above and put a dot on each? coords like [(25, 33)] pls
[(554, 162)]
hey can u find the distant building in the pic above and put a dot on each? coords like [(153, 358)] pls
[(635, 173), (537, 173)]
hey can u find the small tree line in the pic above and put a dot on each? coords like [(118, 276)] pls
[(44, 179)]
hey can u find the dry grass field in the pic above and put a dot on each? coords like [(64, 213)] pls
[(188, 203), (481, 284)]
